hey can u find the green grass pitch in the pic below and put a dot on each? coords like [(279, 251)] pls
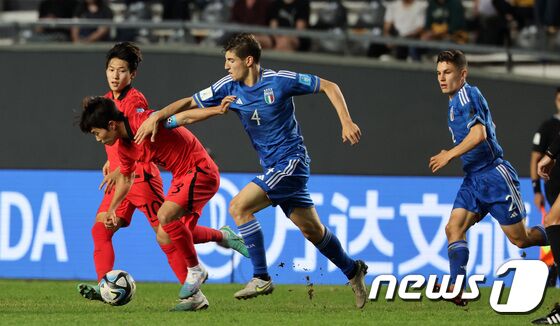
[(58, 303)]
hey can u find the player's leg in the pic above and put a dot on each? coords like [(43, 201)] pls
[(243, 206), (458, 250), (103, 253), (307, 220), (503, 198)]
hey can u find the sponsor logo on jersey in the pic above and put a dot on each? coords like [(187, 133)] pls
[(305, 79), (269, 96), (239, 101)]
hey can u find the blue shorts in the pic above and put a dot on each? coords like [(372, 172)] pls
[(494, 191), (286, 184)]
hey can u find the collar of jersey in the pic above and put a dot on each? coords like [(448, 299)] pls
[(261, 72), (123, 93)]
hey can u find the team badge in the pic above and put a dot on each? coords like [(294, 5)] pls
[(269, 96), (451, 115)]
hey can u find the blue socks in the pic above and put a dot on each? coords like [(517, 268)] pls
[(330, 247), (253, 237), (458, 253)]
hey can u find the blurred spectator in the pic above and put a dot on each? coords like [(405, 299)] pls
[(333, 18), (176, 9), (254, 12), (291, 14), (53, 9), (92, 9), (547, 14), (404, 18), (491, 27), (445, 20)]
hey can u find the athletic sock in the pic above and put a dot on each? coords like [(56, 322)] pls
[(254, 240), (182, 238), (176, 260), (331, 248), (458, 253), (542, 230), (203, 234), (103, 252), (553, 234)]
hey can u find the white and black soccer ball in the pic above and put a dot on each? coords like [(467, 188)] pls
[(117, 288)]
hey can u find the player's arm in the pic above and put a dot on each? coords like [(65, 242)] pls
[(150, 125), (476, 135), (122, 187), (535, 179), (350, 131), (546, 164), (198, 114)]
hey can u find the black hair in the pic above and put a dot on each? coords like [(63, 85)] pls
[(455, 57), (126, 51), (244, 45), (97, 113)]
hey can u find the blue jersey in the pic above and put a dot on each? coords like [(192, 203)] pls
[(467, 108), (267, 111)]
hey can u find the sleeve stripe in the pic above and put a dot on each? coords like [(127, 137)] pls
[(198, 101), (287, 72), (317, 84), (475, 119), (286, 76), (221, 83)]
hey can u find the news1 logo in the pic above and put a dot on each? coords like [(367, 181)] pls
[(526, 293)]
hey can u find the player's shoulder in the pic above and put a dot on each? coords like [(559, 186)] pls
[(468, 94), (224, 81)]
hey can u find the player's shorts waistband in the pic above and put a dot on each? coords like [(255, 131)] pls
[(487, 168)]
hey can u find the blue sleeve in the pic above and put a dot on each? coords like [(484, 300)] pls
[(213, 95), (478, 108), (295, 84)]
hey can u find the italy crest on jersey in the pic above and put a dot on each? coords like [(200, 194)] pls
[(269, 96)]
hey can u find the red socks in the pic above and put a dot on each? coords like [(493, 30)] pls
[(176, 261), (103, 253), (182, 238), (203, 234)]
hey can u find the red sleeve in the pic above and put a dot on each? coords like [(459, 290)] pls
[(136, 103), (128, 155)]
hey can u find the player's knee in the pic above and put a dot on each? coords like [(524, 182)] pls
[(451, 231), (164, 217), (236, 210)]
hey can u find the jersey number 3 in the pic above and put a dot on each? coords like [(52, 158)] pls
[(256, 118)]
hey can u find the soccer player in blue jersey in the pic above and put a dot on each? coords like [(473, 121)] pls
[(263, 100), (490, 184)]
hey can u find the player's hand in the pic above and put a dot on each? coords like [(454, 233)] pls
[(544, 166), (539, 199), (148, 127), (110, 180), (106, 169), (111, 220), (226, 103), (439, 161), (351, 132)]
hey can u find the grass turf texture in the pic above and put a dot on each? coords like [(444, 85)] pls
[(58, 303)]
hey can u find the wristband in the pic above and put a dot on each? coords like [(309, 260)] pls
[(536, 186), (171, 122)]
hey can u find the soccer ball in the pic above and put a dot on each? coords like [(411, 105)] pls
[(117, 288)]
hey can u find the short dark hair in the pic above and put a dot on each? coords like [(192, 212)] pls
[(557, 90), (97, 113), (244, 45), (455, 57), (126, 51)]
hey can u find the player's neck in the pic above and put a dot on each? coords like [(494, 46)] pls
[(253, 76), (121, 131)]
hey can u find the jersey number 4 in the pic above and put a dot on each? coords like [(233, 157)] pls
[(256, 117)]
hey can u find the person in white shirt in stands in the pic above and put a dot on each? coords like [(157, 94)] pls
[(404, 18)]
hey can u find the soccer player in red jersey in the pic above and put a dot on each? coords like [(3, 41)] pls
[(195, 177), (146, 193)]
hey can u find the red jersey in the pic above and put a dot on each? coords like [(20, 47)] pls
[(176, 150), (129, 100)]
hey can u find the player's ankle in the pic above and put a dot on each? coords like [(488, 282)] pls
[(264, 277)]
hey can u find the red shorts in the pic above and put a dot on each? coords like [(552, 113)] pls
[(192, 191), (146, 195)]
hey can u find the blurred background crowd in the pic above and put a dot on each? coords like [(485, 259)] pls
[(527, 24)]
